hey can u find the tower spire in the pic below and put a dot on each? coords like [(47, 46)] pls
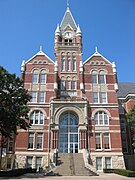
[(67, 3)]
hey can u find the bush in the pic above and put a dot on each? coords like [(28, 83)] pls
[(108, 170), (16, 172), (125, 172)]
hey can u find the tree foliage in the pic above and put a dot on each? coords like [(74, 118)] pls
[(131, 118), (131, 121), (13, 104)]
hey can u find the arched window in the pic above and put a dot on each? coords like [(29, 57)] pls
[(35, 75), (101, 118), (102, 77), (74, 62), (94, 77), (63, 62), (68, 61), (37, 118), (43, 77)]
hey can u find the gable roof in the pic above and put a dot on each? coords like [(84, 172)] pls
[(68, 19), (40, 53), (125, 88), (97, 54)]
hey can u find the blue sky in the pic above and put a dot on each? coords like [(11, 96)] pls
[(107, 24)]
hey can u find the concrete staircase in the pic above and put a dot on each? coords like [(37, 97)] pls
[(71, 165)]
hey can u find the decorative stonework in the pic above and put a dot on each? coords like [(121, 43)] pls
[(80, 108)]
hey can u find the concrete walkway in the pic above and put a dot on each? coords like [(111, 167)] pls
[(100, 177)]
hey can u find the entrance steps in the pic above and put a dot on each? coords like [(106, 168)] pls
[(71, 165)]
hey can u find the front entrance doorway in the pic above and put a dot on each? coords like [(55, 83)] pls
[(68, 133)]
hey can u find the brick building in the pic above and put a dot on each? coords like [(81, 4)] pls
[(74, 106)]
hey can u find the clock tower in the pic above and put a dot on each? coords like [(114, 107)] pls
[(68, 54)]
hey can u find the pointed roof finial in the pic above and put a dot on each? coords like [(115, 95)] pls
[(67, 3), (96, 49), (40, 48)]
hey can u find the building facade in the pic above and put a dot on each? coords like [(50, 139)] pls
[(74, 105)]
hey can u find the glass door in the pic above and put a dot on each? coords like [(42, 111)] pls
[(68, 133)]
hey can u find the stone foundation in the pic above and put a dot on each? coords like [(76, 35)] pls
[(21, 160), (117, 161)]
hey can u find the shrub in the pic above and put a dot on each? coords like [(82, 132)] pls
[(125, 172), (108, 170), (16, 172)]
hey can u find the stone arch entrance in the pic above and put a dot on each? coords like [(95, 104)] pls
[(68, 132)]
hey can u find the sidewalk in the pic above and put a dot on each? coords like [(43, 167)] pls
[(100, 177)]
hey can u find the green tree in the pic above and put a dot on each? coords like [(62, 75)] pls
[(13, 105), (131, 121)]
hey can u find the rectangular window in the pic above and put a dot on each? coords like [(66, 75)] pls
[(94, 79), (95, 97), (74, 85), (38, 163), (103, 97), (41, 96), (99, 163), (62, 85), (68, 85), (106, 141), (31, 141), (34, 97), (102, 79), (98, 140), (35, 78), (39, 141), (42, 78), (29, 161), (108, 163)]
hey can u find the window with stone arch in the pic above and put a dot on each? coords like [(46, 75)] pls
[(102, 77), (74, 83), (36, 117), (62, 61), (101, 118), (62, 84), (94, 76), (68, 83), (68, 61), (43, 76), (74, 61), (35, 76)]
